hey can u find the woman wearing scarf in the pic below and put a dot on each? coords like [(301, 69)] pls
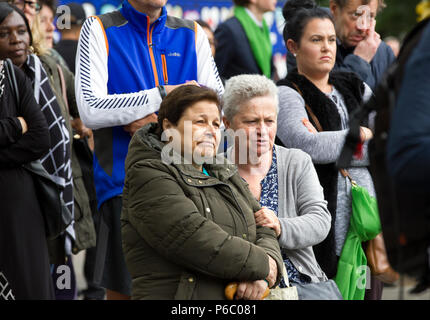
[(17, 47), (24, 137), (243, 41)]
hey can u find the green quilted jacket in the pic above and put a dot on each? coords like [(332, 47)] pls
[(186, 235)]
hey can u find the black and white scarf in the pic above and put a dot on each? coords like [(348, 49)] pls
[(2, 77), (57, 161)]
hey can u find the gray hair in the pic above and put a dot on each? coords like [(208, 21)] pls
[(242, 88)]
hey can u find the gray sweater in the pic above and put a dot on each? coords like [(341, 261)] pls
[(324, 147), (302, 211)]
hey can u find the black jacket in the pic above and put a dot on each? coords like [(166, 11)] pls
[(234, 54)]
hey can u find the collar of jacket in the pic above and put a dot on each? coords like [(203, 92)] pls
[(139, 20), (342, 50), (222, 169), (348, 84), (219, 173)]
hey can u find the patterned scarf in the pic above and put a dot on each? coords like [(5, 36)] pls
[(2, 77), (259, 40), (57, 161)]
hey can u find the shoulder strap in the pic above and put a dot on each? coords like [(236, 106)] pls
[(343, 172), (309, 110), (8, 66), (63, 87)]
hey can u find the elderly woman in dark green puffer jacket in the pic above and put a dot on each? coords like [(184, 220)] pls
[(188, 226)]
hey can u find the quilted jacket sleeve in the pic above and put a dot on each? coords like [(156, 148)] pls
[(171, 223)]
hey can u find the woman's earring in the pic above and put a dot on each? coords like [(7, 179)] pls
[(295, 54)]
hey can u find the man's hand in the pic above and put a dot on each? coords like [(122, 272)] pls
[(367, 48), (81, 129), (267, 218), (136, 125), (170, 88), (251, 290)]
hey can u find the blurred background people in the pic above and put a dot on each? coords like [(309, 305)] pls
[(210, 34), (394, 44), (62, 82), (68, 45), (243, 41), (359, 46), (409, 138)]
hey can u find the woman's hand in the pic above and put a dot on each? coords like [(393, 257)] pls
[(267, 218), (273, 272), (23, 124), (251, 290), (309, 126)]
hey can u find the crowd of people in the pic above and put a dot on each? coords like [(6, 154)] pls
[(184, 160)]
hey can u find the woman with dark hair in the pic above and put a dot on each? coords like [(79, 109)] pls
[(24, 137), (16, 45), (188, 225), (312, 96)]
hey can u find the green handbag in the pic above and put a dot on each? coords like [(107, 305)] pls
[(364, 225)]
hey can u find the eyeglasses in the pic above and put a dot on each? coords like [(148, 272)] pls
[(22, 3)]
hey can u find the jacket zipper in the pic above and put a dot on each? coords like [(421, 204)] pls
[(165, 75), (151, 53)]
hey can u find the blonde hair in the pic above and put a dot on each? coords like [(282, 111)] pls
[(39, 47)]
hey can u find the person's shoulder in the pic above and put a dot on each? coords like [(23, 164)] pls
[(21, 77), (177, 23), (292, 156), (384, 54), (231, 24), (110, 19), (286, 92)]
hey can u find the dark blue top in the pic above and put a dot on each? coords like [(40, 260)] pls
[(234, 55), (409, 138), (269, 199)]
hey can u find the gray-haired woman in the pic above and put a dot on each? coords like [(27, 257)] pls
[(283, 180)]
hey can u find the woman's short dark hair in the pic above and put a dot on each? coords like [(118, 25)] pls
[(179, 100), (6, 9), (297, 15)]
